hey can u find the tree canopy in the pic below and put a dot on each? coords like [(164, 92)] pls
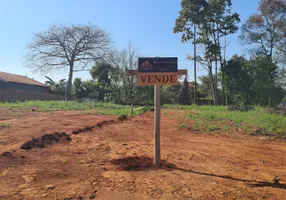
[(72, 47)]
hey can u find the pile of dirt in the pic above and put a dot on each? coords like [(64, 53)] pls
[(7, 154), (137, 163), (241, 108), (82, 130), (99, 124), (46, 139), (106, 122)]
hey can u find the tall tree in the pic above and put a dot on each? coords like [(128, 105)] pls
[(184, 97), (237, 79), (124, 60), (214, 20), (101, 73), (76, 46), (258, 68), (190, 16), (266, 29)]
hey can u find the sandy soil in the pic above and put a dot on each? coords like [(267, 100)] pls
[(115, 161)]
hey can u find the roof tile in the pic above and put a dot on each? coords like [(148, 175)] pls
[(19, 79)]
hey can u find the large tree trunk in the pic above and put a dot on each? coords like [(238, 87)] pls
[(68, 92), (213, 89), (269, 91), (216, 85), (212, 84), (223, 65), (195, 66)]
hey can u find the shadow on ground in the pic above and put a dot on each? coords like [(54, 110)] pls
[(250, 183), (136, 163)]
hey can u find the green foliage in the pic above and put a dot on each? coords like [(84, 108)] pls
[(262, 86), (170, 94), (86, 89), (4, 125), (92, 107), (184, 97), (212, 127), (247, 81), (225, 127), (213, 20), (197, 126), (111, 82), (56, 87), (101, 73), (266, 29), (191, 13), (276, 180), (183, 125), (237, 80), (205, 86)]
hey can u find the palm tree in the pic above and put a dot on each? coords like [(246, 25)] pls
[(56, 87)]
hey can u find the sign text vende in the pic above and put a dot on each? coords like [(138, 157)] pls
[(157, 79)]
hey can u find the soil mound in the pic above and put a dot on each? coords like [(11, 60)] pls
[(7, 154), (46, 139), (99, 124), (241, 108)]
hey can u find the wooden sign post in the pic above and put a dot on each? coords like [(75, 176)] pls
[(157, 122), (157, 71)]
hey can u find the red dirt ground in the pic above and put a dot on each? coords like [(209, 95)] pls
[(115, 161)]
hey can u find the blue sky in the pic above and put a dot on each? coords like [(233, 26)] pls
[(147, 24)]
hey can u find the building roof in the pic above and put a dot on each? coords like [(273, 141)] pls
[(7, 77)]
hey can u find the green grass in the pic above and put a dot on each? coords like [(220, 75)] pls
[(4, 125), (212, 127), (183, 125), (212, 118), (101, 108)]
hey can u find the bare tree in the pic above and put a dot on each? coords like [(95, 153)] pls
[(72, 47), (124, 60)]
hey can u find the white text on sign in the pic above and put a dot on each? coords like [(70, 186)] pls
[(157, 79)]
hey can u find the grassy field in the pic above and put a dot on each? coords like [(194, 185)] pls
[(202, 118), (88, 107), (213, 118)]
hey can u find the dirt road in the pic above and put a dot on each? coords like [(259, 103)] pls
[(115, 161)]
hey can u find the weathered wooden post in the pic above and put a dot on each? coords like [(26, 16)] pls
[(157, 71), (157, 119)]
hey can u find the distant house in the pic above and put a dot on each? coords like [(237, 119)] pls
[(20, 88)]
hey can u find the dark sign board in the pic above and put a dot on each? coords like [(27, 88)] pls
[(164, 64)]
